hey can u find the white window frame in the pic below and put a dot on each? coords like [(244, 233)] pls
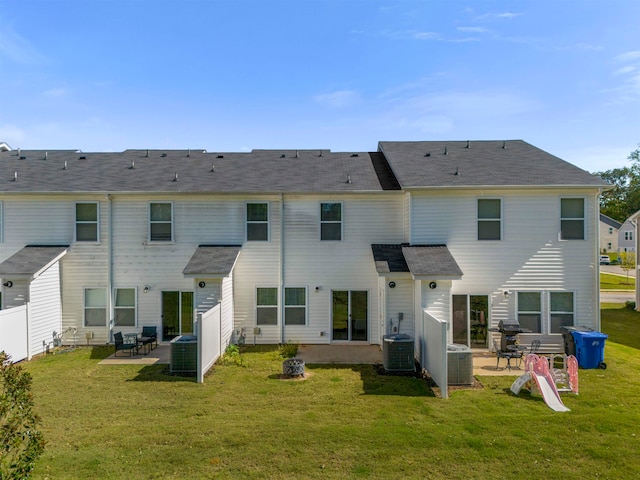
[(583, 219), (248, 222), (532, 312), (332, 222), (95, 222), (152, 222), (498, 219), (286, 307), (125, 307), (559, 312), (628, 236), (270, 306), (85, 307)]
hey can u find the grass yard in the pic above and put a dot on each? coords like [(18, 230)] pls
[(616, 282), (128, 421)]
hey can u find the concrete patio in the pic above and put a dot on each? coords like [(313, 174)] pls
[(484, 362)]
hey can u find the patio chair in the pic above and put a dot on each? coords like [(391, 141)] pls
[(505, 354), (148, 337), (535, 346), (120, 345)]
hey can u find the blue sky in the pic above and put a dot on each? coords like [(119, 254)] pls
[(107, 75)]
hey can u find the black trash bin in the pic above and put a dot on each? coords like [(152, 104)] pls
[(569, 342)]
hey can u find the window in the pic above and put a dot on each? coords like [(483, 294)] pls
[(86, 222), (257, 222), (330, 221), (295, 306), (489, 219), (530, 311), (572, 219), (267, 306), (610, 230), (125, 307), (161, 222), (560, 311), (628, 236), (95, 307)]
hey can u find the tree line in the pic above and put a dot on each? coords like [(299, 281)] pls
[(623, 199)]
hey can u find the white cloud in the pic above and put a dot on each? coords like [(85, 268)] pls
[(338, 99), (509, 15), (425, 36), (628, 56), (473, 29), (17, 48), (55, 93)]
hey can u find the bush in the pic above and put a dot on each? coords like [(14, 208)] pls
[(287, 350), (630, 305), (20, 442), (232, 356)]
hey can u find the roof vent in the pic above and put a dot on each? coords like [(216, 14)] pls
[(133, 165), (320, 153), (23, 157), (428, 154), (175, 178), (163, 155), (213, 167), (46, 155), (147, 155), (348, 178), (504, 144), (354, 154), (15, 176), (82, 158), (188, 152), (445, 150), (65, 165), (457, 171), (220, 156), (282, 156), (297, 154), (18, 154), (468, 146)]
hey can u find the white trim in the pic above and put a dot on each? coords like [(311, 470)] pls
[(97, 222), (341, 222), (267, 306), (247, 221), (583, 218), (135, 306), (84, 306), (499, 219), (149, 222), (306, 306)]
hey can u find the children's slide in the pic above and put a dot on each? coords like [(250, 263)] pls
[(538, 371)]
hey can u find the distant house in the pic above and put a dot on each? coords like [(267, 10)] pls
[(304, 246), (608, 234), (626, 235)]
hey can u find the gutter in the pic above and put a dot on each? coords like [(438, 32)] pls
[(281, 274), (109, 267)]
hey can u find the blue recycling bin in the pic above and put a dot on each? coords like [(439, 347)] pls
[(590, 349)]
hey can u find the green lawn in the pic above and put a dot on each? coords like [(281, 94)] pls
[(124, 421), (616, 282)]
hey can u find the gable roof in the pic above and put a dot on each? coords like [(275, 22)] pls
[(213, 260), (610, 221), (193, 171), (31, 260), (430, 261), (481, 163)]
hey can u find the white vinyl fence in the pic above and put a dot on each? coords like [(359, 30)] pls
[(435, 351), (209, 344), (13, 332)]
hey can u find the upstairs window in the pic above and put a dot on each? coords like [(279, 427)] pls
[(87, 222), (125, 307), (572, 219), (295, 306), (628, 236), (161, 222), (267, 306), (489, 219), (331, 221), (257, 222)]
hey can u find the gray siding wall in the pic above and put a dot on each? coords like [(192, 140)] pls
[(45, 310)]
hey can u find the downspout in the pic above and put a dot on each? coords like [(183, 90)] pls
[(281, 274), (596, 258), (109, 268)]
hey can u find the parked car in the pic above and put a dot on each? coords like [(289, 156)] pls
[(604, 260)]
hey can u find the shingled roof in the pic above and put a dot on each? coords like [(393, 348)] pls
[(31, 260), (481, 163), (259, 171)]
